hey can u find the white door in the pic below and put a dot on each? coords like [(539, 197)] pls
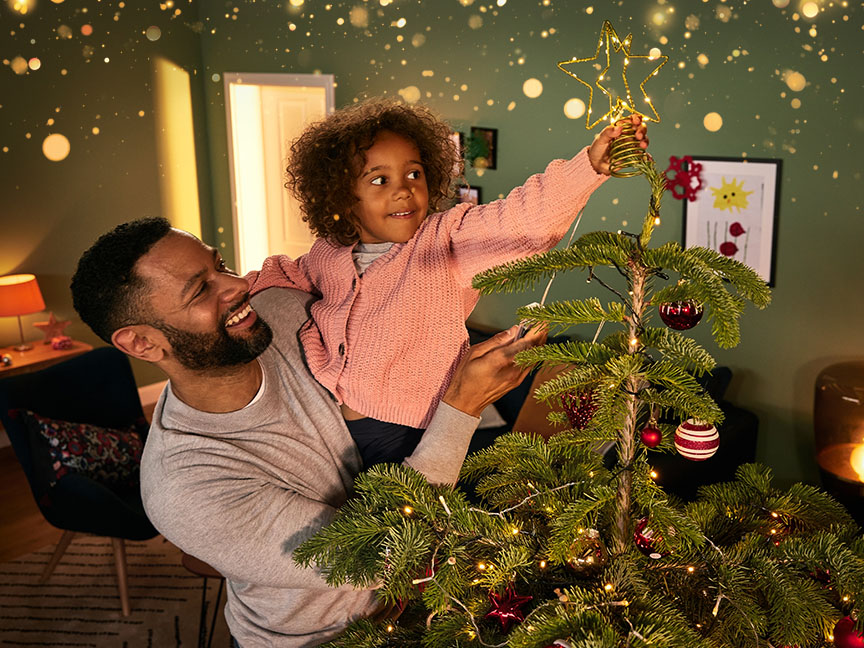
[(266, 113)]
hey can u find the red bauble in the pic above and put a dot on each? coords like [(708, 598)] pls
[(845, 635), (651, 436), (506, 607), (696, 440), (646, 540), (579, 408), (681, 315)]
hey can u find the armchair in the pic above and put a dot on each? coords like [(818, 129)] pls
[(98, 389)]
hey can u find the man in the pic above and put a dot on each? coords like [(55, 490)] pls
[(247, 455)]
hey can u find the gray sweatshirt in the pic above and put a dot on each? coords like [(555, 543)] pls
[(241, 490)]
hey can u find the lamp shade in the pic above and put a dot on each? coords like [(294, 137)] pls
[(20, 295)]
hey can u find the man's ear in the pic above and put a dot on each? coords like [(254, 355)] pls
[(140, 341)]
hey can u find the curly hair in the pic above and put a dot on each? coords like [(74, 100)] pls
[(326, 160), (106, 290)]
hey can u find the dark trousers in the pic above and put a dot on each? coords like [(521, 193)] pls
[(382, 442)]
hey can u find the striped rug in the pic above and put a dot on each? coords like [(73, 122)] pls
[(79, 606)]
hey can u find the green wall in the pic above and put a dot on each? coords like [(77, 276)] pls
[(469, 61)]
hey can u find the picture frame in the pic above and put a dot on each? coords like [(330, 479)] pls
[(483, 147), (736, 210), (470, 194)]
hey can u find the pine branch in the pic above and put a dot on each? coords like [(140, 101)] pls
[(563, 315)]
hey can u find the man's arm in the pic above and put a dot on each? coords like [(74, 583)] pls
[(485, 374)]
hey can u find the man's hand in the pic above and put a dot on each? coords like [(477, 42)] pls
[(487, 372), (598, 153)]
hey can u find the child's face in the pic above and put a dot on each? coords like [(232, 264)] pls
[(392, 190)]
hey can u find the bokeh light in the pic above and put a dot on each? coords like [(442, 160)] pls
[(532, 88), (475, 22), (64, 31), (713, 122), (359, 17), (22, 7), (810, 9), (781, 4), (153, 33), (19, 65), (574, 108), (795, 80), (56, 147), (417, 40), (296, 3), (410, 94), (34, 63), (654, 53), (86, 29)]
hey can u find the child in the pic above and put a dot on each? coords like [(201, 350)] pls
[(394, 280)]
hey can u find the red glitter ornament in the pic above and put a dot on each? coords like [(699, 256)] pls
[(506, 608), (579, 408), (650, 435), (680, 315), (646, 540), (845, 635), (684, 183)]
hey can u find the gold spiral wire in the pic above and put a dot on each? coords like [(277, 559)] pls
[(625, 152)]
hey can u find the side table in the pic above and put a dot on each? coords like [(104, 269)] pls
[(39, 357)]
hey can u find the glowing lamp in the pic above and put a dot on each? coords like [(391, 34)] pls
[(20, 295), (838, 418)]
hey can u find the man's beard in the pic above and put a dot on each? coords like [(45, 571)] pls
[(201, 351)]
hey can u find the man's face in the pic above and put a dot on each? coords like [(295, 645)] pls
[(201, 306)]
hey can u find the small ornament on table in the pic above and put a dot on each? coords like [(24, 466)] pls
[(681, 315), (579, 408), (506, 607), (646, 540), (696, 440), (845, 635), (684, 183), (651, 435), (5, 360), (587, 556), (61, 342), (52, 328)]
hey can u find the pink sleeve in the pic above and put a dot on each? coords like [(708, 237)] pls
[(283, 272), (533, 218)]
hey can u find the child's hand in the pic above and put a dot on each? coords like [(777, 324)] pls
[(598, 154)]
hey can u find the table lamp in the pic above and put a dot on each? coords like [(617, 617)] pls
[(838, 418), (20, 295)]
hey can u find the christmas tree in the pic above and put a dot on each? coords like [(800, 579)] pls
[(569, 548)]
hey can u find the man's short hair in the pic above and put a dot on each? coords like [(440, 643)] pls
[(107, 293)]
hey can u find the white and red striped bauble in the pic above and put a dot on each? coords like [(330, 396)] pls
[(696, 440)]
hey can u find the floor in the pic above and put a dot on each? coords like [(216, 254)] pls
[(22, 527)]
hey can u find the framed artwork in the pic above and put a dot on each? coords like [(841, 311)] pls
[(735, 213), (483, 147), (469, 194)]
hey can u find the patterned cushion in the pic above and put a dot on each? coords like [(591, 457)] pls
[(108, 456)]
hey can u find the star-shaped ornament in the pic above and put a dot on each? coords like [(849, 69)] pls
[(615, 63), (52, 328), (505, 608)]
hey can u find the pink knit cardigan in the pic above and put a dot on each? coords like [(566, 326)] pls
[(386, 344)]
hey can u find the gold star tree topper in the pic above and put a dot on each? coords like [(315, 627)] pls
[(612, 83)]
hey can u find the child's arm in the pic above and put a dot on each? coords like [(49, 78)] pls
[(534, 217), (283, 272)]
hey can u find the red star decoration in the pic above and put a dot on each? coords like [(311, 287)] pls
[(52, 328), (684, 183), (506, 608)]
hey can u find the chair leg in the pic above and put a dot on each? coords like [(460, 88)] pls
[(215, 611), (120, 564), (57, 555)]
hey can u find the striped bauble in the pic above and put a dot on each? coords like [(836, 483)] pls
[(696, 440)]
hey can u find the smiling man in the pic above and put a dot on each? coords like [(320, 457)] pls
[(247, 455)]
